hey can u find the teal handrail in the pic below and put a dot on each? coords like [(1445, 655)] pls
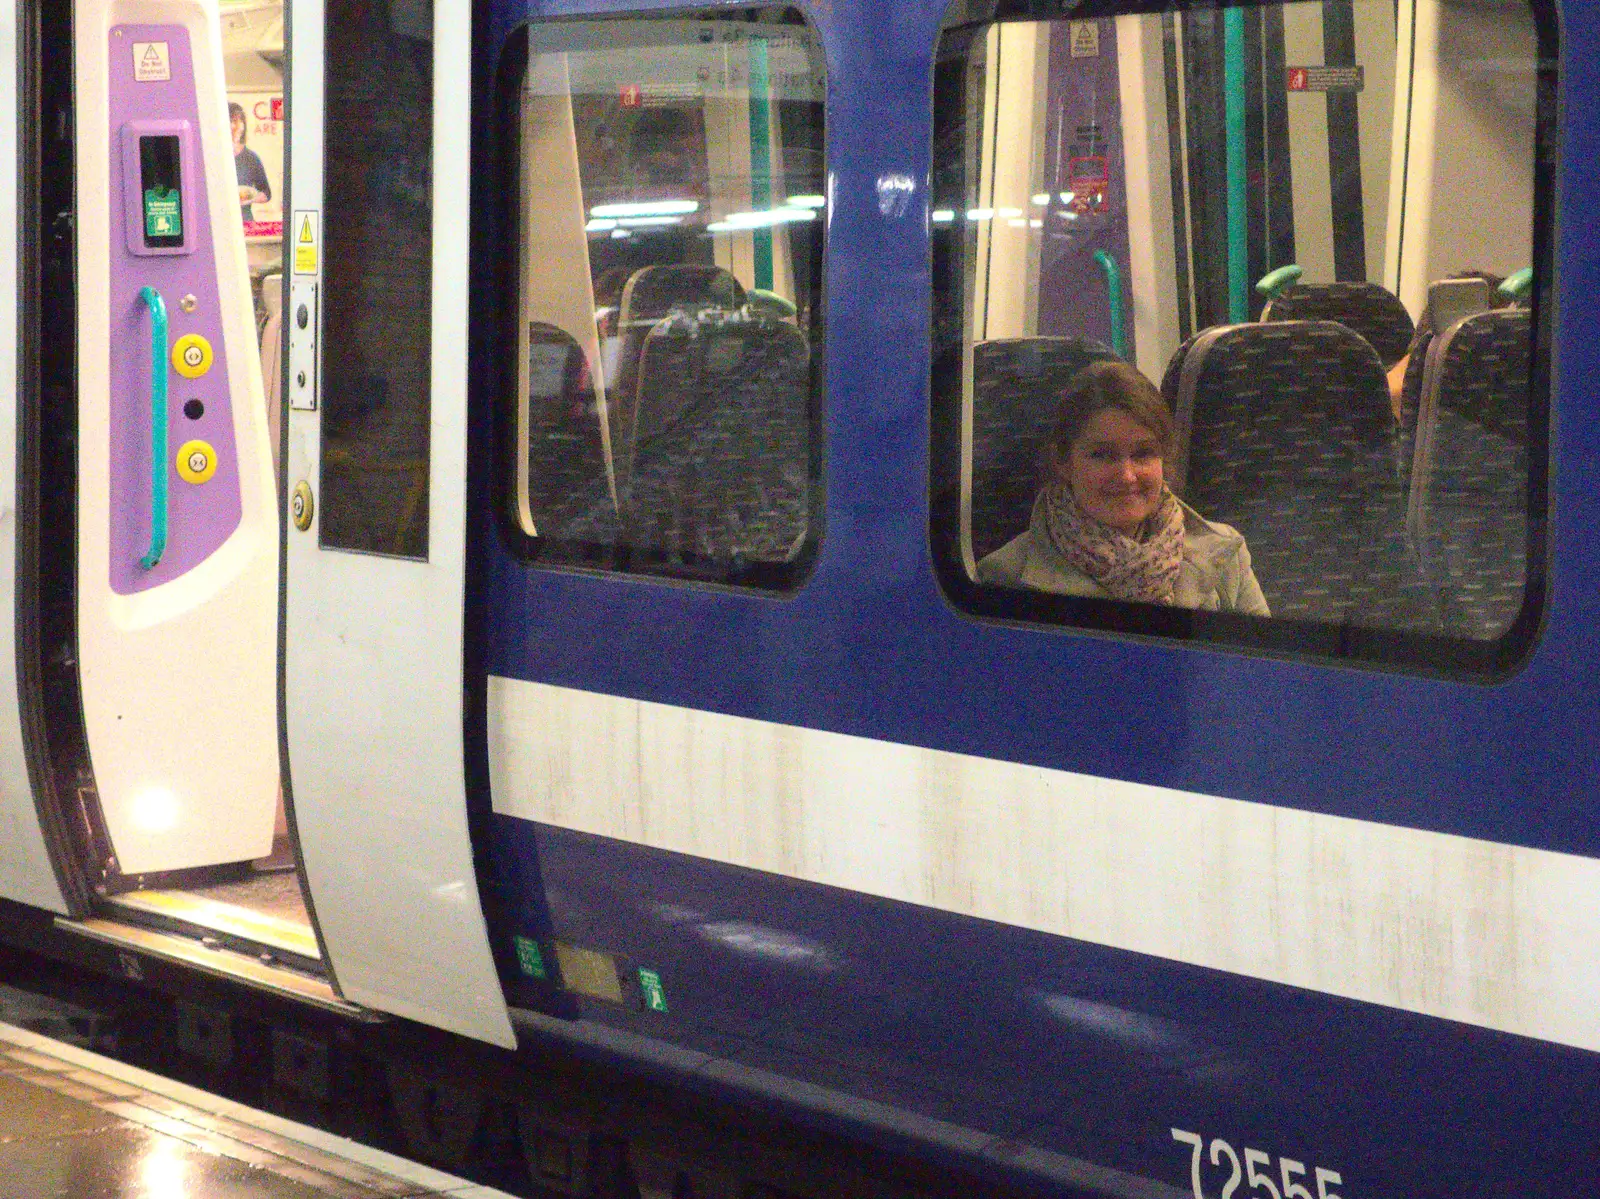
[(158, 426), (1113, 273), (1518, 284), (1274, 283), (1233, 115)]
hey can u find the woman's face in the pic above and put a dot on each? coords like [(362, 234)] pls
[(236, 123), (1114, 470)]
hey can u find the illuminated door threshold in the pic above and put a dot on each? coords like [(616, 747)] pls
[(220, 963), (238, 924)]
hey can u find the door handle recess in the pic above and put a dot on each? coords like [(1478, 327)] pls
[(158, 426)]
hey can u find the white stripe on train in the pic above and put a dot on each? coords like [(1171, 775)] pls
[(1494, 935)]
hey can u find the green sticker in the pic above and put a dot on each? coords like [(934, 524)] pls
[(529, 959), (163, 216), (655, 997)]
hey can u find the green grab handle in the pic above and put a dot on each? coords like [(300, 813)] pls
[(1274, 283), (1517, 285), (1234, 122), (1113, 273), (761, 156), (158, 426)]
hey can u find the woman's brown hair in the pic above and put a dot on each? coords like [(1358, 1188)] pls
[(1097, 388)]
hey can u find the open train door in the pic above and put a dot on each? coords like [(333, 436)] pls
[(177, 520), (376, 477)]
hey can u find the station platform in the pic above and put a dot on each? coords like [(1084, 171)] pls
[(77, 1125)]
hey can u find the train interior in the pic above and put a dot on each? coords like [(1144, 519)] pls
[(672, 216), (1268, 210), (1210, 195)]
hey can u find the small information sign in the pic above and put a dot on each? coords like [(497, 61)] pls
[(1326, 79), (163, 214)]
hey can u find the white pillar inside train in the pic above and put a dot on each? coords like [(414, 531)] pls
[(1470, 86)]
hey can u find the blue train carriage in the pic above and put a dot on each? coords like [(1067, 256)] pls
[(585, 606)]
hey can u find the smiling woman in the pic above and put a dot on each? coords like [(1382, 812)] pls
[(1105, 523)]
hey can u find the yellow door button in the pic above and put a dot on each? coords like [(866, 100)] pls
[(191, 356), (301, 505), (197, 461)]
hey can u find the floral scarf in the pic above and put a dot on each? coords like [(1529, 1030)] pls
[(1144, 569)]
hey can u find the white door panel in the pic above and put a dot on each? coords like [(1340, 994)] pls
[(374, 644), (177, 514), (25, 871)]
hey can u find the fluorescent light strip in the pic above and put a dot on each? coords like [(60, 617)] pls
[(735, 221), (647, 208)]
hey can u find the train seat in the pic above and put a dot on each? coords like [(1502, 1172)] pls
[(1469, 488), (650, 295), (722, 440), (1284, 431), (1368, 309), (1016, 386), (568, 493)]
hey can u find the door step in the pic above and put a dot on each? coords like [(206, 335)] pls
[(216, 961), (231, 926)]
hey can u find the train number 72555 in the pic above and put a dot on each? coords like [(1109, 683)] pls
[(1257, 1171)]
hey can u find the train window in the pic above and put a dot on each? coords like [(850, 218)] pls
[(377, 284), (664, 413), (1240, 329)]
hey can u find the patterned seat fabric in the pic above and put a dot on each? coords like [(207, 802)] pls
[(653, 293), (1469, 507), (569, 496), (1016, 389), (722, 443), (1288, 436), (1366, 308)]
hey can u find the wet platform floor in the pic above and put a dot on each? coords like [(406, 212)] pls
[(74, 1125)]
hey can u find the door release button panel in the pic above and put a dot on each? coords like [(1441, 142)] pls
[(166, 242), (303, 345)]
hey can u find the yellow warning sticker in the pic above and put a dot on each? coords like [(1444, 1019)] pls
[(151, 62), (307, 240)]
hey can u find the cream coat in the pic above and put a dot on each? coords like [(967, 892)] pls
[(1215, 573)]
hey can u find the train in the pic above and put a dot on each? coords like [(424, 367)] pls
[(509, 554)]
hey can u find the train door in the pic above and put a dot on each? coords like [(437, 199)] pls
[(376, 475), (149, 527)]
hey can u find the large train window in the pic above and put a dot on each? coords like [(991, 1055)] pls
[(1241, 323), (664, 414)]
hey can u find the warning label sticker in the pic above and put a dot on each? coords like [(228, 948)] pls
[(307, 240), (151, 63), (1085, 39), (1326, 79)]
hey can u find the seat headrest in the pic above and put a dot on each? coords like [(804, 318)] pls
[(654, 291)]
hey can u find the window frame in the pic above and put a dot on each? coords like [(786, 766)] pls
[(1359, 646)]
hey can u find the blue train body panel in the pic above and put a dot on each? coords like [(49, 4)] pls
[(1086, 1050)]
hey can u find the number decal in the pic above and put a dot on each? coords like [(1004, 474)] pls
[(1196, 1140), (1254, 1158), (1220, 1146), (1292, 1189), (1256, 1171)]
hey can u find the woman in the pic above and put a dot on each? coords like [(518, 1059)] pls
[(254, 186), (1106, 524)]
